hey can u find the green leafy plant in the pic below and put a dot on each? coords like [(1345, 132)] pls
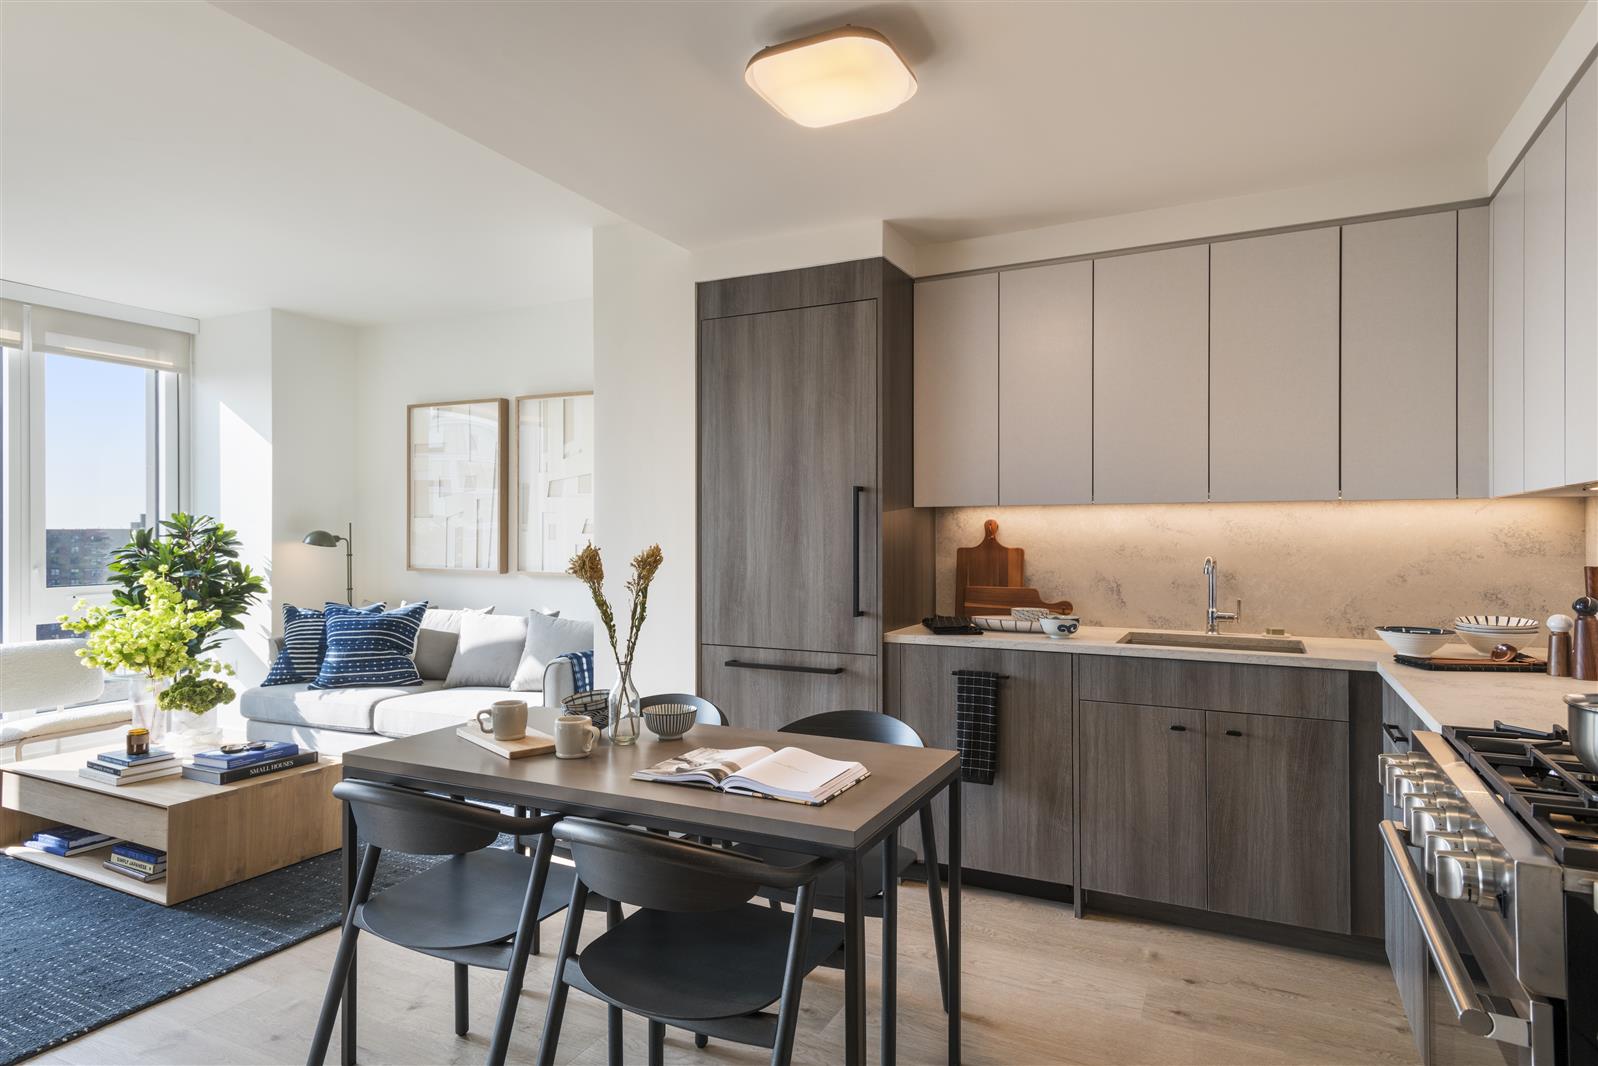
[(200, 556)]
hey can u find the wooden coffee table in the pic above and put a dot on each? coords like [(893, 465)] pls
[(214, 835)]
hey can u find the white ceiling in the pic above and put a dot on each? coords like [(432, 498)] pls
[(168, 156), (1027, 114)]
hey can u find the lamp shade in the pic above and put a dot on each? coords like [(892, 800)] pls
[(321, 538), (832, 77)]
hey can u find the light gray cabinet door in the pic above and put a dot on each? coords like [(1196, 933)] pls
[(1545, 307), (1151, 377), (1399, 362), (957, 392), (1509, 336), (1273, 367), (1046, 384), (1581, 280), (1475, 367)]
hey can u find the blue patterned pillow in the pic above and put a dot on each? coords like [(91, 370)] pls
[(370, 649), (304, 643)]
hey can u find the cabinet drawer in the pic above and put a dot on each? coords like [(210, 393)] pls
[(1288, 691), (763, 688)]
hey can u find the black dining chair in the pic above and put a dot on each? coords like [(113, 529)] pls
[(829, 892), (697, 955), (705, 712), (478, 907)]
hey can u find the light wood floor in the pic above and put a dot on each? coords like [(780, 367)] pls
[(1040, 987)]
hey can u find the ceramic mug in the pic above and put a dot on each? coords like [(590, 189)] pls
[(506, 719), (574, 736)]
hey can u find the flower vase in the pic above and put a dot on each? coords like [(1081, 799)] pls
[(188, 732), (626, 720), (147, 713)]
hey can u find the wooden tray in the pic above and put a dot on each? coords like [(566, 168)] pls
[(534, 743), (993, 599), (1522, 665)]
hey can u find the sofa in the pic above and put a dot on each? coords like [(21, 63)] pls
[(336, 720)]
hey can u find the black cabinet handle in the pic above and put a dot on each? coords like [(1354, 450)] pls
[(859, 491), (1179, 729), (787, 668), (1234, 732), (1395, 734)]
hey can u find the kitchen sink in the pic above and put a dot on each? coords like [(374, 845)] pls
[(1218, 641)]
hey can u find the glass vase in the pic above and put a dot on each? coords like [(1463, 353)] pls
[(626, 719), (188, 732), (147, 714)]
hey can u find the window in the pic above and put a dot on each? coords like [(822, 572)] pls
[(90, 420)]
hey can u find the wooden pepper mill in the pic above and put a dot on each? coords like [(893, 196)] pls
[(1559, 630), (1584, 653)]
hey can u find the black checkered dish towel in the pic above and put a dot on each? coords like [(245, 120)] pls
[(976, 724)]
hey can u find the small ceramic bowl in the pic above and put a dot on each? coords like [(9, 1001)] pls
[(669, 723), (1060, 625), (1486, 642), (1414, 640)]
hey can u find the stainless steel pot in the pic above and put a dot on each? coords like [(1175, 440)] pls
[(1583, 726)]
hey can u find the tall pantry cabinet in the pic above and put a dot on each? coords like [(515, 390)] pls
[(809, 547)]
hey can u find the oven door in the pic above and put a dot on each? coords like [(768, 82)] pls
[(1463, 1001)]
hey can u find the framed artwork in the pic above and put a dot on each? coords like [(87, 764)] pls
[(456, 486), (554, 479)]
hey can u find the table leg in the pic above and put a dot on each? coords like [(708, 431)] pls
[(954, 922), (854, 964), (346, 1051), (940, 939), (890, 947)]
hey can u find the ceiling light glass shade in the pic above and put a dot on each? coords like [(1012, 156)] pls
[(833, 77)]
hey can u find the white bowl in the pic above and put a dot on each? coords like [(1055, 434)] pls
[(1486, 642), (1060, 625), (1414, 640), (1495, 622)]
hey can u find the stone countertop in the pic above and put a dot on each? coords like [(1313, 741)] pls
[(1457, 698)]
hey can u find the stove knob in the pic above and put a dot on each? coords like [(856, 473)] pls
[(1406, 782), (1454, 840), (1388, 761), (1476, 877), (1427, 814)]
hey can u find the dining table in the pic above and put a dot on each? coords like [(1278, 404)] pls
[(902, 783)]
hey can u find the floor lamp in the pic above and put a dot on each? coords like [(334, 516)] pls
[(321, 538)]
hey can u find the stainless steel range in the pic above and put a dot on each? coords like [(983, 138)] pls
[(1492, 841)]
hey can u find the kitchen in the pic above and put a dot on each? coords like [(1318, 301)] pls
[(1229, 461)]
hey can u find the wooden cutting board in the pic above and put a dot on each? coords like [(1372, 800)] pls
[(991, 599), (989, 563), (534, 743)]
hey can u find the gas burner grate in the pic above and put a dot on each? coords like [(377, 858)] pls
[(1539, 777)]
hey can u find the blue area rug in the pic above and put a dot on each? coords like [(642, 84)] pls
[(75, 955)]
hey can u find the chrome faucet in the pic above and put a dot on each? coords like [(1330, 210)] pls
[(1212, 617)]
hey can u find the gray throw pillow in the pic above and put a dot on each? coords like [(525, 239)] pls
[(489, 651), (548, 637), (435, 644)]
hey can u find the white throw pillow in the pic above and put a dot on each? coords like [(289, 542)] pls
[(438, 638), (489, 651), (547, 637)]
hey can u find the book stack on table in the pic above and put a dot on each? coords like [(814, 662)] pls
[(137, 861), (69, 840), (119, 768), (224, 768)]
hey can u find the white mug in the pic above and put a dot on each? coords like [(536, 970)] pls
[(574, 736), (506, 719)]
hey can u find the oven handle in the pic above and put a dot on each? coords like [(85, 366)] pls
[(1473, 1018)]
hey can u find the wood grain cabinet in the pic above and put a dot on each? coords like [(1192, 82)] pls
[(1273, 367), (1399, 358), (765, 688), (1021, 825)]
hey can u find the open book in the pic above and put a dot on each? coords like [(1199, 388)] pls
[(790, 774)]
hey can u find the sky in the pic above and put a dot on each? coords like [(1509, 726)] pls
[(94, 447)]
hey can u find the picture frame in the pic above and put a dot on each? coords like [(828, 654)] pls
[(457, 457), (554, 479)]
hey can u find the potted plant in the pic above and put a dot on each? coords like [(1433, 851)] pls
[(589, 568), (176, 594)]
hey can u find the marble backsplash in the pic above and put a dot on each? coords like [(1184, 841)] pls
[(1316, 569)]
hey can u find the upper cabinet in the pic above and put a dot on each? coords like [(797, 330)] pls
[(957, 391), (1151, 377), (1273, 367), (1581, 280), (1509, 330), (1046, 380), (1399, 363), (1475, 351), (1544, 352)]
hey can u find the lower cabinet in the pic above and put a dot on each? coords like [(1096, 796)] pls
[(763, 688), (1142, 783), (1020, 825)]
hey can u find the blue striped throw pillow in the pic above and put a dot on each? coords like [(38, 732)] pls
[(370, 648), (304, 644)]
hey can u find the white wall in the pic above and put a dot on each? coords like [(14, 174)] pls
[(645, 448), (542, 349)]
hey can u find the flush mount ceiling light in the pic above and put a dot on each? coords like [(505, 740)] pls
[(832, 77)]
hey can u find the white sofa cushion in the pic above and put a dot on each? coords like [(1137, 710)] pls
[(437, 640), (548, 637), (347, 710), (418, 712), (489, 650)]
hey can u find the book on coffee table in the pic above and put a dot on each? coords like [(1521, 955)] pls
[(790, 774)]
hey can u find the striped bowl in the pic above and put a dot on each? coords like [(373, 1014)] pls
[(670, 722)]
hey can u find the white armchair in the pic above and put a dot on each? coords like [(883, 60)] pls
[(49, 674)]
